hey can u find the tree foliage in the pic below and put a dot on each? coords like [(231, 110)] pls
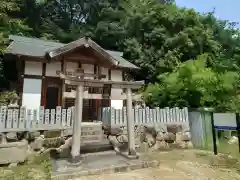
[(156, 35), (11, 21), (193, 84)]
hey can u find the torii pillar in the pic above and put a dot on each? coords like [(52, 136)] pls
[(130, 125), (76, 138)]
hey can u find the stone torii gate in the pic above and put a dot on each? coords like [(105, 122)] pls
[(78, 78)]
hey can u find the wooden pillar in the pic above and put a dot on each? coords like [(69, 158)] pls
[(76, 138), (21, 80), (130, 124), (63, 69), (43, 88)]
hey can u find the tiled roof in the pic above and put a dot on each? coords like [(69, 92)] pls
[(37, 48)]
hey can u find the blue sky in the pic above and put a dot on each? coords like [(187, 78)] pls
[(226, 10)]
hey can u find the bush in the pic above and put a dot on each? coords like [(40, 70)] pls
[(6, 97), (194, 84)]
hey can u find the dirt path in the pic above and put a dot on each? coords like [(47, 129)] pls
[(184, 165)]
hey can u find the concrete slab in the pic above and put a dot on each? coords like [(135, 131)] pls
[(98, 163)]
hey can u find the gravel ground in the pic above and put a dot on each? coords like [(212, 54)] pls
[(184, 165)]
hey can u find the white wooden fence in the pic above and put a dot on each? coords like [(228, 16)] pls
[(23, 119), (146, 116)]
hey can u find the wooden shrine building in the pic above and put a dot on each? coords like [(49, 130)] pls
[(39, 63)]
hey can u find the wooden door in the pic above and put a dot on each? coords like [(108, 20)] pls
[(52, 93)]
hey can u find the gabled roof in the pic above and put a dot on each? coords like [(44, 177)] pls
[(86, 42), (41, 48)]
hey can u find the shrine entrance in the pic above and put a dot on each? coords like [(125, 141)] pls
[(91, 109), (52, 93), (92, 103)]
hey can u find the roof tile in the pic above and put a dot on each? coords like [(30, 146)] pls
[(38, 48)]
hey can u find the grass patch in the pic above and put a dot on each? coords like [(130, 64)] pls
[(231, 149), (35, 168), (222, 145)]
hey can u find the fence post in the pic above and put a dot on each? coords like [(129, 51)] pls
[(213, 133), (238, 130), (136, 115), (112, 117)]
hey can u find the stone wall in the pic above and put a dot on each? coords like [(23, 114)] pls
[(147, 138), (150, 137)]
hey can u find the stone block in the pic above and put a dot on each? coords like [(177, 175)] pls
[(122, 138), (174, 128), (160, 136), (12, 165), (3, 139), (169, 137), (113, 140), (38, 143), (32, 135), (14, 152), (161, 145), (182, 145), (189, 145), (115, 131), (186, 136), (140, 135), (91, 133), (140, 129), (178, 137), (150, 139), (11, 136), (151, 130)]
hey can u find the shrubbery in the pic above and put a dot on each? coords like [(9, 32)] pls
[(194, 84)]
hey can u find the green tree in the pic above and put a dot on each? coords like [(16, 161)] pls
[(10, 22), (156, 35), (193, 84), (161, 36), (100, 20)]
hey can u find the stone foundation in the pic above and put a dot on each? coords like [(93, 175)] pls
[(15, 147), (151, 138)]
